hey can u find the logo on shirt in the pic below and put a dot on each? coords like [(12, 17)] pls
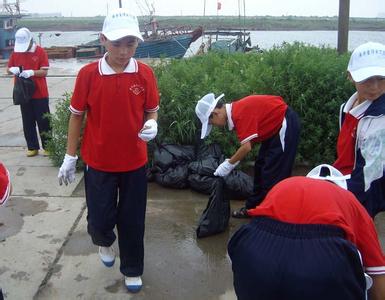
[(136, 89)]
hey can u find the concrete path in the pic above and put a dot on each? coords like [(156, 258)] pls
[(46, 253)]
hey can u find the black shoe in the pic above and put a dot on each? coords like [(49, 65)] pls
[(241, 213)]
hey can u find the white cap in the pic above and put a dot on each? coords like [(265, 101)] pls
[(23, 38), (366, 61), (120, 23), (329, 173), (203, 110)]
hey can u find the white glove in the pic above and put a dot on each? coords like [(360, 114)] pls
[(27, 73), (225, 168), (14, 70), (67, 170), (149, 130)]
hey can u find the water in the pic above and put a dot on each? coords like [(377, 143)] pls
[(264, 39)]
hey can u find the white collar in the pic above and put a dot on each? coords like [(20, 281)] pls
[(359, 109), (105, 69), (230, 122)]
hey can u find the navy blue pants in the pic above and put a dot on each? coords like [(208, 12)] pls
[(273, 163), (273, 260), (32, 114), (118, 199)]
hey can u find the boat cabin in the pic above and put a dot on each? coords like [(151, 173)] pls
[(7, 34)]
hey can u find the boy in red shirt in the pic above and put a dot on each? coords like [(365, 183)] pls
[(361, 141), (29, 60), (310, 239), (264, 119), (121, 99)]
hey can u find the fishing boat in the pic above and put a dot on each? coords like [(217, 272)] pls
[(9, 14), (228, 40)]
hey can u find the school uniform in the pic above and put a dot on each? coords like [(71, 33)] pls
[(34, 112), (359, 151), (5, 184), (309, 239), (114, 155), (268, 120)]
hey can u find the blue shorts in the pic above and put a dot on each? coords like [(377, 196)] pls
[(277, 260)]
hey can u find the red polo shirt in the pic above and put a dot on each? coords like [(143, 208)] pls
[(302, 200), (35, 60), (5, 184), (115, 105), (257, 117)]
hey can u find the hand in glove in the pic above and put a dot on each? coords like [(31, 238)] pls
[(14, 70), (27, 73), (67, 170), (149, 130), (225, 168)]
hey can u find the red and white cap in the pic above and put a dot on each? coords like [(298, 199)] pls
[(5, 184)]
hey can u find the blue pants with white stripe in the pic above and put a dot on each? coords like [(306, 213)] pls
[(273, 260), (273, 163)]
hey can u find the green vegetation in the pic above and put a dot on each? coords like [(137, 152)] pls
[(209, 22), (311, 80)]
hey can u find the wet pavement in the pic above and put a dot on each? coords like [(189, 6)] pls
[(46, 253)]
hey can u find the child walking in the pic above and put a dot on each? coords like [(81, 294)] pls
[(119, 95)]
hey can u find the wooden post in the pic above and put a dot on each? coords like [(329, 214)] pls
[(343, 26)]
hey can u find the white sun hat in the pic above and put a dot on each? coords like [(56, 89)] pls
[(329, 173), (366, 61), (23, 38), (203, 110), (120, 23)]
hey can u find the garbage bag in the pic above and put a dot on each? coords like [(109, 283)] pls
[(215, 217), (22, 90), (173, 177), (239, 185), (203, 151), (171, 155), (201, 183), (206, 166)]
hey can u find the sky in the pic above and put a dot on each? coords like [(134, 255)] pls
[(77, 8)]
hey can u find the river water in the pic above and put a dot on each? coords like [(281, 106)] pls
[(264, 40)]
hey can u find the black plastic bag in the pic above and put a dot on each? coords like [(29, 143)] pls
[(204, 151), (23, 90), (239, 185), (205, 166), (215, 217), (170, 155), (173, 177), (201, 183)]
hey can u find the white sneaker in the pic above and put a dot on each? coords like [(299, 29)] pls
[(107, 255), (133, 284)]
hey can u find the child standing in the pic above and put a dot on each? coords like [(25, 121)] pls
[(121, 99), (310, 239), (361, 141), (29, 60), (264, 119)]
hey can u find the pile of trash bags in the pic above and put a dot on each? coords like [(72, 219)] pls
[(185, 166)]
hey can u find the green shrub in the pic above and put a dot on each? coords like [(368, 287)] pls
[(312, 80)]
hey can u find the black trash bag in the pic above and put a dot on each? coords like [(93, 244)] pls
[(215, 217), (23, 90), (205, 166), (171, 155), (173, 177), (203, 151), (239, 185), (201, 183)]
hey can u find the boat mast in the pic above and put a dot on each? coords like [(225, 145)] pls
[(120, 3)]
